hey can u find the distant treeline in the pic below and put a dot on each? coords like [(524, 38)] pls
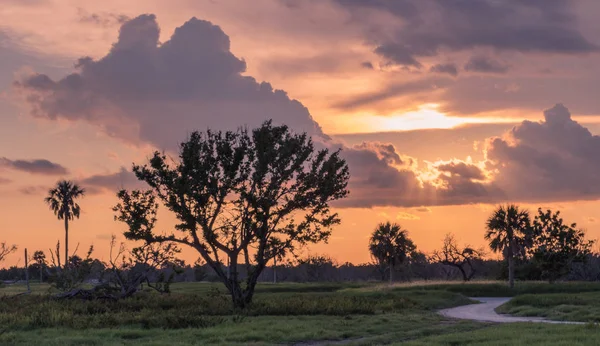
[(325, 269)]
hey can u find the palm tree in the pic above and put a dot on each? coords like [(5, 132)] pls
[(508, 230), (389, 245), (61, 200)]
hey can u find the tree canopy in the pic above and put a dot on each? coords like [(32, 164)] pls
[(251, 194), (557, 245)]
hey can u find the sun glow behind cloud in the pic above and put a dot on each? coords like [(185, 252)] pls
[(428, 117)]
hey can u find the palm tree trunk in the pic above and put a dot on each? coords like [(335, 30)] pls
[(66, 242), (511, 268), (391, 273)]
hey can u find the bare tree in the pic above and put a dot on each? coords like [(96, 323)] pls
[(461, 258), (6, 250)]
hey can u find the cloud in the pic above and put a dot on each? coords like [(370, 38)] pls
[(449, 68), (124, 179), (39, 166), (146, 92), (406, 216), (101, 19), (423, 210), (394, 90), (462, 169), (5, 181), (552, 160), (367, 64), (425, 28), (150, 92), (484, 64), (143, 91), (33, 190), (384, 151)]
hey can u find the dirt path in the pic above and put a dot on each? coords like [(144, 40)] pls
[(484, 312)]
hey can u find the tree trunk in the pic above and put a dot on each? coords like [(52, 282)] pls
[(274, 270), (66, 242), (511, 269), (463, 272), (391, 273), (41, 273)]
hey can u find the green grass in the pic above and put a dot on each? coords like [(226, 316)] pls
[(517, 334), (303, 314), (583, 307)]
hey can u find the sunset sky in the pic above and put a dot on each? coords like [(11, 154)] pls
[(443, 108)]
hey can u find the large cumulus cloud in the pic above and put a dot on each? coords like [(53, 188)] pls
[(555, 159), (151, 91)]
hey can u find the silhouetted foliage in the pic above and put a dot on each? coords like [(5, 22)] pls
[(316, 267), (508, 231), (556, 245), (61, 200), (75, 272), (462, 258), (6, 250), (390, 246), (257, 195), (40, 259)]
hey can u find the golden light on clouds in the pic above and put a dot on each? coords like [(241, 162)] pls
[(426, 116)]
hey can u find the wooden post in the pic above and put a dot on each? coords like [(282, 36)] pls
[(27, 271)]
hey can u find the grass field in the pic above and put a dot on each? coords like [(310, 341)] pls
[(557, 306), (284, 314)]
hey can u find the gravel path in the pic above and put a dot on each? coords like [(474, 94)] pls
[(484, 312)]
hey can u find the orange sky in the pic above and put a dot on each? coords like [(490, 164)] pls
[(347, 66)]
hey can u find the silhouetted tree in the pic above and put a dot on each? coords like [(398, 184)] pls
[(6, 250), (462, 258), (257, 195), (557, 245), (316, 266), (40, 258), (390, 246), (61, 200), (508, 230)]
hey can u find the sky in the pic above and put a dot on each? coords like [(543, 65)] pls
[(443, 108)]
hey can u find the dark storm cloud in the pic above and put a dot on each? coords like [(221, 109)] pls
[(428, 26), (484, 64), (39, 166)]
